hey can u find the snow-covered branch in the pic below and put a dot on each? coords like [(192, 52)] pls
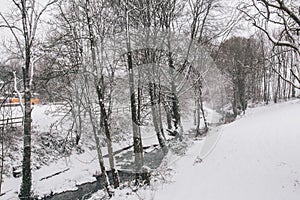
[(18, 92)]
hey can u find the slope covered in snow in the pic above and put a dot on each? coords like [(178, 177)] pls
[(256, 157)]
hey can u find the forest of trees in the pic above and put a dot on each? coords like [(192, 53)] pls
[(152, 56)]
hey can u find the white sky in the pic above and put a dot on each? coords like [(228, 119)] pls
[(4, 8), (5, 34), (4, 4), (7, 5)]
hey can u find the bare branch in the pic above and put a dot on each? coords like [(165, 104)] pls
[(12, 30), (293, 73), (285, 79), (37, 18)]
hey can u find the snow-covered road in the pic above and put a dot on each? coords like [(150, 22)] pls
[(257, 157)]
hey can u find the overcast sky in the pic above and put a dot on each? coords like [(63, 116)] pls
[(5, 7)]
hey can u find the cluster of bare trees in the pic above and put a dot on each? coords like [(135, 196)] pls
[(279, 21), (265, 66), (159, 53), (89, 42), (92, 44), (256, 72)]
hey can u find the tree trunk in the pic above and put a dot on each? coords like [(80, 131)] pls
[(155, 118), (234, 102), (174, 99), (92, 117), (277, 92), (168, 113), (139, 98), (266, 97), (99, 152), (265, 75), (197, 116), (137, 140), (160, 118), (203, 113), (25, 192), (199, 105), (104, 120)]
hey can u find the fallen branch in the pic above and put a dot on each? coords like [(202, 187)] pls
[(55, 174), (119, 151)]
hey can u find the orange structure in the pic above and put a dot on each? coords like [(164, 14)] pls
[(33, 100)]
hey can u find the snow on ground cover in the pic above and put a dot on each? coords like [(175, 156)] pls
[(256, 157), (79, 167), (45, 116), (42, 115)]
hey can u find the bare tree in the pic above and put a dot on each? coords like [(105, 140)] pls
[(282, 16), (24, 34), (137, 140)]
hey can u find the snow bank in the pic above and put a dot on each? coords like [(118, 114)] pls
[(257, 157)]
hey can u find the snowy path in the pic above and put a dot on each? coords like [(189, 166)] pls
[(257, 157)]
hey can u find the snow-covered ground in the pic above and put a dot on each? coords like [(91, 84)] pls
[(255, 157), (78, 167)]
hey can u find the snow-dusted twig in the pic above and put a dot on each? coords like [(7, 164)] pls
[(18, 92)]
